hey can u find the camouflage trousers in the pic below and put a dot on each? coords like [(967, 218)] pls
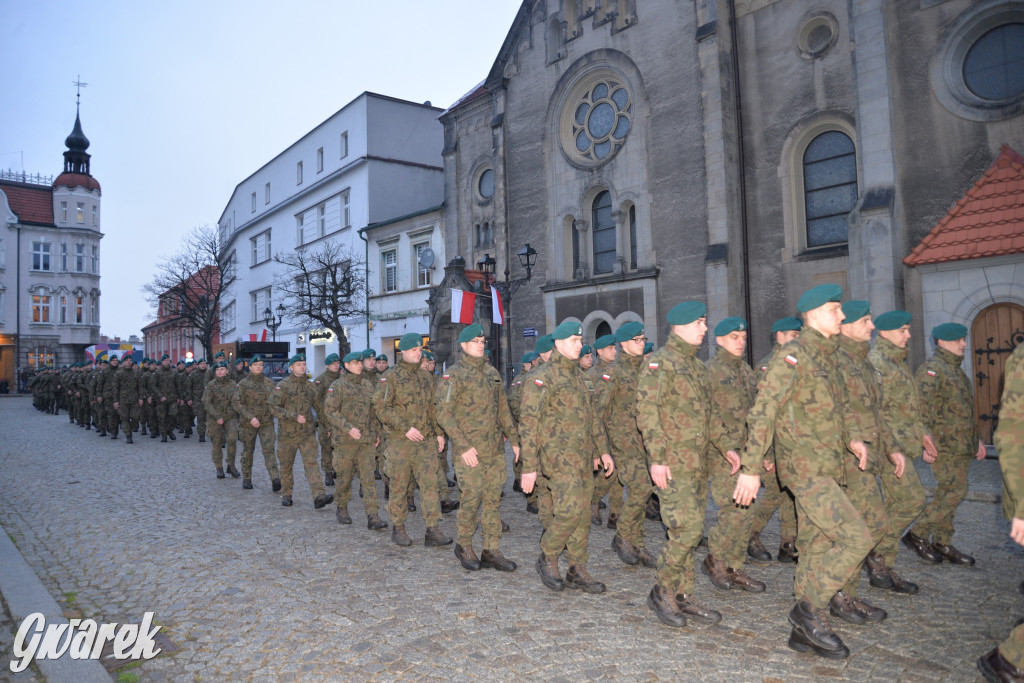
[(480, 496), (82, 413), (151, 420), (200, 412), (936, 522), (832, 537), (442, 474), (904, 501), (352, 457), (569, 527), (323, 437), (683, 504), (301, 440), (1012, 648), (129, 414), (247, 434), (229, 432), (774, 497), (408, 463), (863, 492), (166, 416), (727, 540), (631, 470), (610, 486), (185, 417)]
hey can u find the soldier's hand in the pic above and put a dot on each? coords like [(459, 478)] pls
[(355, 434), (413, 434), (515, 449), (220, 420), (1017, 530), (117, 404), (928, 457), (980, 455), (302, 419), (376, 444), (527, 481), (769, 466), (190, 402), (469, 457), (609, 464), (929, 447), (140, 402), (99, 399), (661, 475), (734, 461), (900, 461), (746, 489), (861, 451), (163, 399), (255, 423), (440, 444), (149, 400)]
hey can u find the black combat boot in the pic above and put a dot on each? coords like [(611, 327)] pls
[(664, 606), (171, 435), (275, 485), (286, 501), (128, 437), (787, 552), (341, 514), (375, 523), (812, 632), (322, 500), (467, 558), (579, 577), (220, 472), (624, 550), (434, 537), (493, 559), (232, 471), (247, 483), (163, 439), (399, 537), (202, 438), (548, 570), (756, 550), (329, 479), (449, 506)]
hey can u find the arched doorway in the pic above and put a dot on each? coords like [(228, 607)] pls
[(996, 332)]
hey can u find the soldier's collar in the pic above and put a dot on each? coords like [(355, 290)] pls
[(948, 356), (890, 350), (680, 345)]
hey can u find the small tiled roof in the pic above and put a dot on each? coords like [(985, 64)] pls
[(987, 221), (73, 180), (32, 204), (478, 91)]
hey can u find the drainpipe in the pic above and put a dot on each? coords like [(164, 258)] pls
[(17, 324), (744, 224), (366, 267)]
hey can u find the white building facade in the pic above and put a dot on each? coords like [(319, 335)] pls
[(376, 159)]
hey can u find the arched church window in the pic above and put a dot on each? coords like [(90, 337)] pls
[(602, 329), (830, 187), (604, 233)]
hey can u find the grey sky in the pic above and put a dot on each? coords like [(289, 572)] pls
[(187, 99)]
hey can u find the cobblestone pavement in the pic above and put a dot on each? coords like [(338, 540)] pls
[(250, 590)]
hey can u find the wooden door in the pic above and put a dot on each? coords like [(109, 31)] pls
[(996, 332)]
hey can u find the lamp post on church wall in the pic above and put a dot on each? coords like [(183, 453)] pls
[(527, 259)]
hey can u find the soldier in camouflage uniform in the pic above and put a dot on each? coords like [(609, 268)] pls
[(586, 357), (472, 409), (165, 398), (801, 404), (606, 352), (223, 425), (950, 416), (251, 402), (196, 387), (1006, 662), (349, 419), (127, 403), (292, 405), (563, 440), (404, 403), (616, 410), (538, 501), (774, 497), (149, 391), (181, 379), (733, 388), (101, 393), (675, 416), (900, 406), (530, 361), (331, 373)]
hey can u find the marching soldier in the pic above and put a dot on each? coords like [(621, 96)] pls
[(218, 406), (606, 352), (251, 402), (515, 395), (128, 403), (196, 387), (166, 397), (331, 373)]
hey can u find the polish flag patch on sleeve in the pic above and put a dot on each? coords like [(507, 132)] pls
[(383, 379), (445, 376), (330, 391), (791, 360), (931, 373), (538, 382), (606, 378), (652, 366)]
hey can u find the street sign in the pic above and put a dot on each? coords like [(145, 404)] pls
[(529, 331)]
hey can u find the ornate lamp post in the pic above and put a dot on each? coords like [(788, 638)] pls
[(271, 322), (527, 259)]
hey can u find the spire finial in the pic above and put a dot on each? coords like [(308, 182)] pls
[(78, 89)]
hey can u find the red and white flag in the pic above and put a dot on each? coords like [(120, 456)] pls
[(497, 310), (463, 304)]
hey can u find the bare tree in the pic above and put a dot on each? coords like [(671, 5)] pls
[(188, 285), (322, 287)]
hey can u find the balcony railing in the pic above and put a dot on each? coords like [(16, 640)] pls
[(28, 178)]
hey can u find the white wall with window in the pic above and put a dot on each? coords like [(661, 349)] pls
[(261, 248), (227, 319), (260, 302)]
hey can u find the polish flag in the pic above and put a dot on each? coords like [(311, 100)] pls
[(497, 310), (463, 304)]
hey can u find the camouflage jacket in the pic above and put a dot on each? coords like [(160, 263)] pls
[(321, 384), (252, 399), (293, 396), (126, 387), (195, 387), (165, 384), (733, 389), (472, 409), (616, 405), (596, 370), (105, 385), (515, 391), (864, 401), (218, 398), (801, 404), (675, 413), (559, 429), (899, 400), (948, 404), (349, 404), (180, 382), (1009, 437), (404, 398)]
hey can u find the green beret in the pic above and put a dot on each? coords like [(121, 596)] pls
[(181, 361), (585, 350), (628, 330), (297, 358), (545, 344), (220, 364), (731, 324), (686, 312), (255, 359), (164, 357), (855, 309), (352, 356), (815, 297), (604, 341), (369, 353), (333, 358), (239, 360), (219, 354), (892, 320), (528, 357), (949, 331), (104, 361), (567, 329), (201, 360), (428, 355), (471, 332), (789, 324), (382, 356), (648, 348), (410, 340)]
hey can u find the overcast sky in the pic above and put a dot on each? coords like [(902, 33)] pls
[(187, 99)]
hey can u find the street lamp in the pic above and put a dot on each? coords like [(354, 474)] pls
[(270, 321), (527, 259)]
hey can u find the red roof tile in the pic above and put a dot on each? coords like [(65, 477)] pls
[(73, 180), (987, 221), (32, 204)]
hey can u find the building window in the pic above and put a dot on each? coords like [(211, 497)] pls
[(389, 263), (604, 234), (321, 221), (80, 212), (41, 256), (253, 202), (95, 260), (346, 212), (484, 236), (227, 317), (79, 258), (260, 303), (298, 173), (94, 311), (63, 309), (266, 193), (231, 267), (40, 308), (423, 275), (63, 257), (95, 215), (79, 310), (261, 248), (632, 237), (320, 160), (344, 145), (830, 187), (40, 357), (63, 212), (596, 118), (994, 64), (300, 224)]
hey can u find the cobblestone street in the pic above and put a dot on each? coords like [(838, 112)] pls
[(250, 590)]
